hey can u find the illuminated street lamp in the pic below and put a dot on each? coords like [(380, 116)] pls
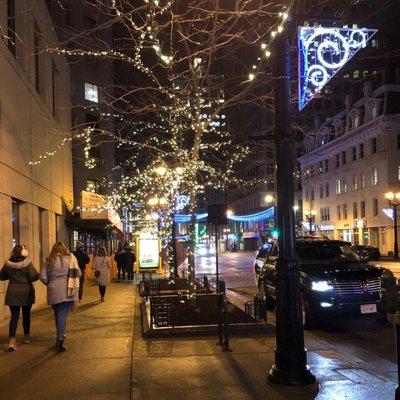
[(394, 201), (310, 215), (270, 200), (229, 213)]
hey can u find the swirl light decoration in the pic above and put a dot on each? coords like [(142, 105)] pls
[(323, 52)]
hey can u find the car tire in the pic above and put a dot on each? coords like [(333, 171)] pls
[(310, 321)]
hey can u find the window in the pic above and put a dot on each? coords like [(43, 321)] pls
[(375, 207), (339, 214), (344, 211), (354, 153), (320, 167), (270, 152), (312, 194), (93, 186), (15, 222), (344, 158), (325, 214), (355, 183), (337, 161), (344, 185), (362, 209), (91, 92), (355, 210), (361, 150), (356, 74), (270, 185), (363, 181), (338, 186), (11, 25), (36, 51), (374, 145), (374, 177), (327, 189), (321, 192), (398, 173), (326, 165), (307, 195)]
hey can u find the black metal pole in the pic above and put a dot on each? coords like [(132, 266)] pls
[(396, 245), (397, 329), (290, 366), (174, 253)]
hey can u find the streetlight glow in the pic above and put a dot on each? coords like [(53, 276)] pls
[(161, 170), (269, 198), (229, 213)]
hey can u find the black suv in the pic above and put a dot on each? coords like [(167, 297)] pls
[(334, 280)]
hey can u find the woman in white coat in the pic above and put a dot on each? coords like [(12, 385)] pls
[(101, 267)]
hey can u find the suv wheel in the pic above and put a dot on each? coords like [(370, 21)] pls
[(309, 318)]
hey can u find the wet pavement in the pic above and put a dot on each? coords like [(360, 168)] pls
[(108, 359)]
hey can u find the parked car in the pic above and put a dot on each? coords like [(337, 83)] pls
[(334, 280), (367, 252)]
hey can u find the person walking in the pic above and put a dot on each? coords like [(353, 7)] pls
[(20, 273), (61, 276), (120, 268), (83, 260), (101, 268), (127, 259)]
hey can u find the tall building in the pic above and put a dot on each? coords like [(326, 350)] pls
[(351, 161), (36, 192), (80, 26)]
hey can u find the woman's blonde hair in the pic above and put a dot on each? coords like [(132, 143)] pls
[(102, 252), (59, 249)]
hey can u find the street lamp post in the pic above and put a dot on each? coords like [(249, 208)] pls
[(290, 366), (270, 200), (394, 201), (310, 215)]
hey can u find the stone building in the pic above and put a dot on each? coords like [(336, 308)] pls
[(350, 162), (34, 120)]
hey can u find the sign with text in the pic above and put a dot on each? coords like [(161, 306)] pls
[(148, 251)]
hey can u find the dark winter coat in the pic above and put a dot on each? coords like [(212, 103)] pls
[(126, 260), (20, 274), (82, 258)]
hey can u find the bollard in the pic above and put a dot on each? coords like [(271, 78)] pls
[(226, 326)]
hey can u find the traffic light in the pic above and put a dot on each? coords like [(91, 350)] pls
[(274, 233)]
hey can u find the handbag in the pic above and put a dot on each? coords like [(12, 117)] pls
[(97, 272)]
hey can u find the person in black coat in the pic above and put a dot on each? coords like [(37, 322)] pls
[(120, 268), (83, 260), (126, 260), (20, 273)]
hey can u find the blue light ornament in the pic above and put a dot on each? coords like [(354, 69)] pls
[(322, 54)]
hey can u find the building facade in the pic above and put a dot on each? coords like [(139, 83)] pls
[(350, 162), (36, 191)]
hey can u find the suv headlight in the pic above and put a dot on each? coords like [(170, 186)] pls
[(321, 286)]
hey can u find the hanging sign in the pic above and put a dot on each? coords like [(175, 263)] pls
[(322, 54)]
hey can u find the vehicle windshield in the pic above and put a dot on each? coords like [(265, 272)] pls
[(333, 252)]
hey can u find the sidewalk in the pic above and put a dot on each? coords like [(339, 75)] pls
[(102, 362)]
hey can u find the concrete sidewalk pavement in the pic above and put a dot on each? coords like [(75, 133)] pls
[(107, 359)]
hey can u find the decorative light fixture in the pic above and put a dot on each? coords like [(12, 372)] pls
[(323, 52)]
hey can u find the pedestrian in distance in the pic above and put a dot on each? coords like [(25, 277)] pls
[(20, 273), (127, 259), (83, 260), (61, 276), (120, 268), (101, 268)]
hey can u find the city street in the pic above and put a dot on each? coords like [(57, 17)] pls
[(369, 341)]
